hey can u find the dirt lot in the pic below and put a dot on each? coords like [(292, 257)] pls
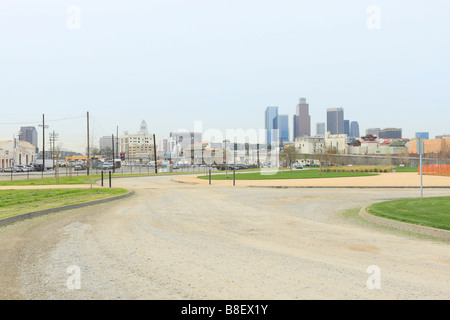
[(181, 241)]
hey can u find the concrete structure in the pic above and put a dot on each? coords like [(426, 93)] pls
[(390, 133), (295, 132), (302, 119), (373, 131), (347, 127), (335, 121), (336, 142), (20, 153), (271, 123), (310, 145), (423, 135), (320, 129), (354, 129), (29, 134), (106, 142), (431, 147), (138, 146), (283, 127)]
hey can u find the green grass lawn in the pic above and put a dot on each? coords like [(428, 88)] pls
[(83, 179), (406, 169), (20, 201), (287, 174), (431, 212), (51, 181)]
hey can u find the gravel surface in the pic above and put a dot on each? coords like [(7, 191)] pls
[(179, 241)]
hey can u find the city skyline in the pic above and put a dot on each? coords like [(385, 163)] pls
[(179, 64)]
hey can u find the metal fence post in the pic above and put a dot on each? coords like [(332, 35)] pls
[(102, 178), (209, 176), (110, 179), (234, 176)]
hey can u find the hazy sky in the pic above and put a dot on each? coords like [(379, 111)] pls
[(222, 62)]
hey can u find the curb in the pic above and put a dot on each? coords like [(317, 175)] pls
[(186, 182), (32, 214), (429, 231)]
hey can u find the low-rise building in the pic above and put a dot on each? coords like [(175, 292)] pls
[(18, 153), (310, 145)]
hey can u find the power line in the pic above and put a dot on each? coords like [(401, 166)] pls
[(37, 122)]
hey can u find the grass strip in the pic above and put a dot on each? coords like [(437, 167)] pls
[(14, 202), (287, 174), (431, 212)]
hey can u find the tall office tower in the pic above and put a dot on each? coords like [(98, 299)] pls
[(391, 133), (107, 142), (30, 135), (354, 129), (303, 119), (373, 131), (283, 126), (335, 120), (295, 133), (320, 129), (347, 127), (423, 135), (271, 122)]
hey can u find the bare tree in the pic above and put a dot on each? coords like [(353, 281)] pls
[(289, 155)]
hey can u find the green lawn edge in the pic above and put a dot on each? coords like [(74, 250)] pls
[(431, 212), (107, 193), (287, 174)]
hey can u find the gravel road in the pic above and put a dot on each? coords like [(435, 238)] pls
[(178, 241)]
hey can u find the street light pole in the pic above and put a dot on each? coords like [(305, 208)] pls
[(43, 143)]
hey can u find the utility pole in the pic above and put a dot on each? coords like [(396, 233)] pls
[(88, 156), (113, 157), (43, 143), (53, 138), (154, 151), (117, 142)]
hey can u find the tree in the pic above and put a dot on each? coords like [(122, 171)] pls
[(289, 155)]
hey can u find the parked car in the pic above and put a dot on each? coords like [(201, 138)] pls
[(298, 165), (30, 167), (79, 167), (9, 169), (18, 168), (107, 166)]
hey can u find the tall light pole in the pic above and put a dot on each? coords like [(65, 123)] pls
[(15, 136), (43, 125), (88, 156), (154, 151), (53, 138)]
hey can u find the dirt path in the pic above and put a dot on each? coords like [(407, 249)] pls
[(179, 241)]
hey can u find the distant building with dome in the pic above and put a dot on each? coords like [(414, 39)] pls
[(137, 147)]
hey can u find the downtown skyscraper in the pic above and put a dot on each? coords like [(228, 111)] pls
[(335, 120), (302, 120), (354, 129), (277, 122), (271, 123)]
